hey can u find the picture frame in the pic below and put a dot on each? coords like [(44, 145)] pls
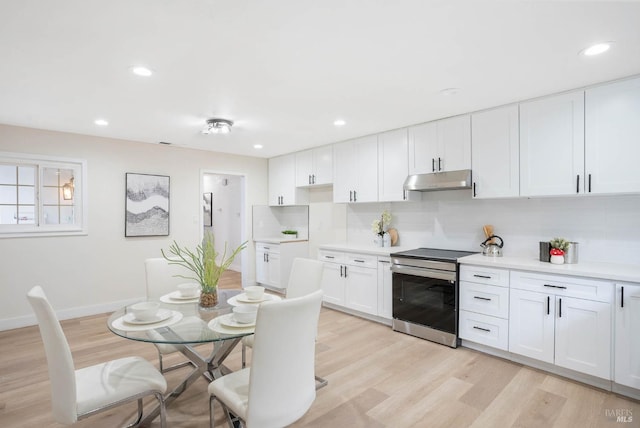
[(207, 209), (146, 205)]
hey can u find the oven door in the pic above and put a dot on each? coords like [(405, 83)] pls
[(426, 300)]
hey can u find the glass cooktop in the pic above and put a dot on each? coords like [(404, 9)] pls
[(433, 254)]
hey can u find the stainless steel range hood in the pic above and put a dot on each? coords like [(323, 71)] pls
[(449, 180)]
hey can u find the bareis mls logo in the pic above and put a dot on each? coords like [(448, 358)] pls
[(620, 415)]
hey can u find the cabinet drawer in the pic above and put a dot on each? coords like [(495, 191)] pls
[(331, 256), (484, 275), (363, 260), (484, 299), (268, 248), (591, 289), (483, 329)]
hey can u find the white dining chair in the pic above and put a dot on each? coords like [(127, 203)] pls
[(279, 387), (305, 278), (77, 394), (163, 278)]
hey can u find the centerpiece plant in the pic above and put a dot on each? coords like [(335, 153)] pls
[(380, 226), (203, 262)]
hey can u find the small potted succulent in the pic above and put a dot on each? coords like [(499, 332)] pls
[(290, 234), (558, 248)]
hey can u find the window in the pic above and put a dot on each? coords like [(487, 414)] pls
[(41, 196)]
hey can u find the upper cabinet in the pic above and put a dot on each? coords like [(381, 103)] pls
[(355, 170), (314, 167), (552, 145), (612, 131), (442, 145), (282, 189), (495, 153), (393, 165)]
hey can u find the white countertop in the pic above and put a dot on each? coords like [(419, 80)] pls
[(278, 240), (364, 249), (610, 271)]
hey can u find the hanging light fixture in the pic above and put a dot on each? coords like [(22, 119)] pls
[(67, 190), (218, 126)]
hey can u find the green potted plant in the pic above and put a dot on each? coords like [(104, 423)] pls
[(203, 262), (558, 248), (290, 234)]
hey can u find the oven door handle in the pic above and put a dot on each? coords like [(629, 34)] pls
[(422, 272)]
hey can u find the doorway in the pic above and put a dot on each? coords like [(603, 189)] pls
[(223, 213)]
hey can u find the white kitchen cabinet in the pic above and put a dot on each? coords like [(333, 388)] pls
[(562, 320), (282, 188), (393, 166), (355, 173), (350, 280), (484, 306), (274, 261), (385, 288), (314, 167), (627, 335), (552, 145), (442, 145), (495, 153), (611, 141)]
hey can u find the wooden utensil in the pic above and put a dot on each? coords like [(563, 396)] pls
[(488, 231), (393, 234)]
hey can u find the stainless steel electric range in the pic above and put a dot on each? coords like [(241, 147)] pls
[(425, 293)]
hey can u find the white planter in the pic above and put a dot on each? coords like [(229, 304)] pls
[(557, 260)]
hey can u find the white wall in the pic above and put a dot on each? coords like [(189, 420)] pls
[(101, 271), (607, 228)]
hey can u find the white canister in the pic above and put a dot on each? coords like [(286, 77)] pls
[(386, 240)]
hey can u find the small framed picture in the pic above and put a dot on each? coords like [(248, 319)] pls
[(207, 209), (146, 205)]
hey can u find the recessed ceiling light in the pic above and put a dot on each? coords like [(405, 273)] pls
[(339, 122), (141, 71), (450, 91), (596, 49), (101, 122), (257, 146)]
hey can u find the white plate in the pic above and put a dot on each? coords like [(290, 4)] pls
[(167, 298), (177, 296), (163, 314), (217, 326), (244, 299), (229, 320), (124, 326)]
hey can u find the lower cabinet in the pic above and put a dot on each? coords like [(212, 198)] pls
[(351, 280), (273, 262), (627, 337), (547, 323), (385, 288)]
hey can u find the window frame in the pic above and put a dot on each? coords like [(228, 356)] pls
[(80, 224)]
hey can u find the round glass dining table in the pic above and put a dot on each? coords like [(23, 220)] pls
[(182, 323)]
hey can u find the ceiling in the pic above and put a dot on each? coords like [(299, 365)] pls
[(285, 70)]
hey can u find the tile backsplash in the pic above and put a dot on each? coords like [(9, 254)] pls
[(606, 227)]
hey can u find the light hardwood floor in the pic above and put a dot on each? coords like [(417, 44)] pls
[(377, 378)]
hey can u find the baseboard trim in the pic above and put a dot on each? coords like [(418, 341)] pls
[(65, 314)]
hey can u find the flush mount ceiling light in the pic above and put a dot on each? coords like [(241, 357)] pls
[(339, 122), (217, 126), (101, 122), (596, 49), (141, 71)]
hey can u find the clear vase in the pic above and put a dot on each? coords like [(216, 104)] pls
[(208, 299), (377, 241)]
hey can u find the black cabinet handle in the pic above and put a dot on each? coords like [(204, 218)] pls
[(329, 257), (481, 298), (578, 183), (384, 261), (433, 165), (560, 308), (622, 297), (482, 276), (548, 305), (341, 267), (355, 198), (474, 189), (345, 271), (483, 329), (555, 286), (439, 164), (350, 196), (309, 178), (359, 261), (589, 183), (314, 179)]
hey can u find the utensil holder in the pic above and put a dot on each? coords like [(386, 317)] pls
[(545, 247), (571, 255)]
